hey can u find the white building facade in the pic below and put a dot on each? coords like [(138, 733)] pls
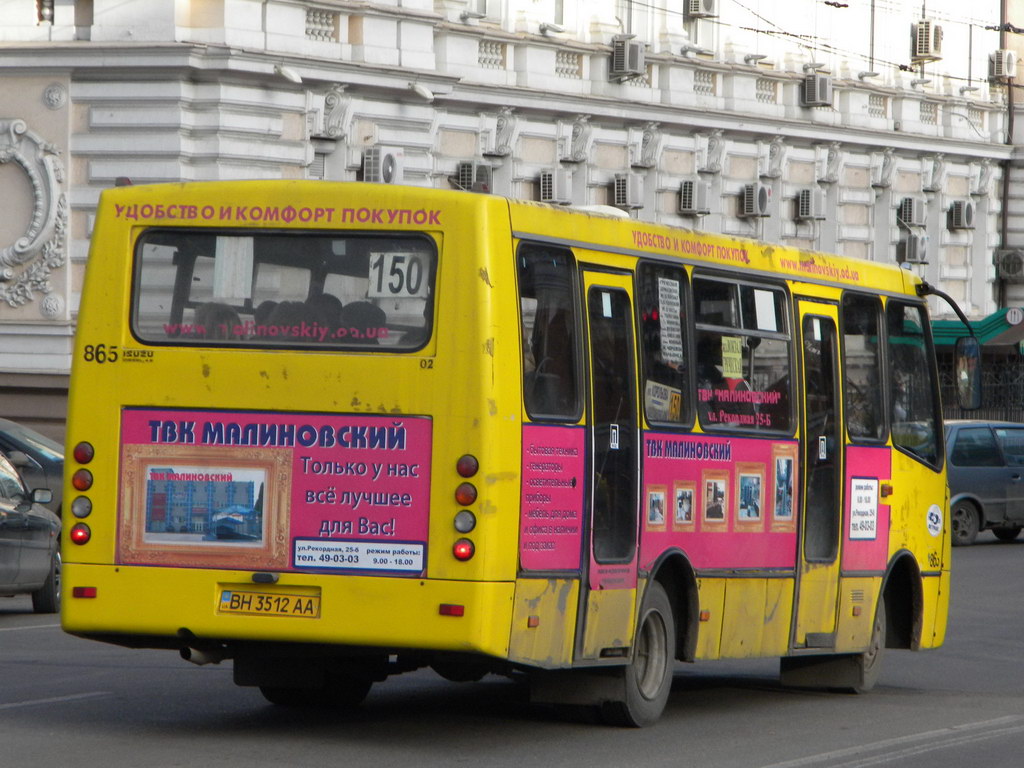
[(870, 128)]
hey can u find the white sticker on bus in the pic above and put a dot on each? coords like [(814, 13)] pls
[(358, 555), (863, 508), (935, 520)]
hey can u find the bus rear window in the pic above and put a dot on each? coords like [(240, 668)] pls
[(269, 289)]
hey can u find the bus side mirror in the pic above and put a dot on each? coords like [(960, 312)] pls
[(968, 373)]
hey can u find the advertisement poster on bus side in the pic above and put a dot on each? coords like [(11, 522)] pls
[(326, 492)]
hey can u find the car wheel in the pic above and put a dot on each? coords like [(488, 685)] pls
[(46, 599), (965, 524), (1007, 533)]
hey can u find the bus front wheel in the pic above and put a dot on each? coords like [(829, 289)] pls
[(648, 678)]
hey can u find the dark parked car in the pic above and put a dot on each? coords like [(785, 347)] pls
[(29, 542), (986, 479), (39, 460)]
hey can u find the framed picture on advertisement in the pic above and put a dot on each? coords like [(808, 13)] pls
[(217, 507)]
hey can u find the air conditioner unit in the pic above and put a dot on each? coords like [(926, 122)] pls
[(1002, 65), (912, 212), (961, 214), (1010, 266), (816, 91), (474, 176), (693, 197), (810, 204), (556, 186), (627, 58), (697, 9), (915, 248), (925, 41), (628, 190), (754, 199), (383, 165)]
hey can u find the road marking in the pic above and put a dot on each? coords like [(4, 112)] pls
[(940, 739), (54, 700), (34, 626)]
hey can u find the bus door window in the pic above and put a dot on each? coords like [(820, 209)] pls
[(663, 342), (614, 424), (912, 385), (821, 439), (862, 368), (743, 356), (550, 341)]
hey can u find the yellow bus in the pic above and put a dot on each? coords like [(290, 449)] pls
[(337, 431)]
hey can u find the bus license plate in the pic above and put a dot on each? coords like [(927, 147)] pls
[(269, 603)]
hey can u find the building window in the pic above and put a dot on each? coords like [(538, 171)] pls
[(878, 105), (491, 54), (569, 64), (704, 82), (767, 91)]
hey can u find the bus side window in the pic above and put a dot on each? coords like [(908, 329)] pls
[(547, 298), (862, 367), (663, 331)]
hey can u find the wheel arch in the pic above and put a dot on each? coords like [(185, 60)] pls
[(904, 602), (676, 575)]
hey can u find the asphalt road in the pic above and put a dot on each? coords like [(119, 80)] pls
[(65, 701)]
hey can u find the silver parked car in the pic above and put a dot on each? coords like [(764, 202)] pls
[(986, 479), (29, 542)]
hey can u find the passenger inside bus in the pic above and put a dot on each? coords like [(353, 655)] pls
[(217, 321)]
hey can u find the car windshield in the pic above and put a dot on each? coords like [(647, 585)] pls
[(33, 441)]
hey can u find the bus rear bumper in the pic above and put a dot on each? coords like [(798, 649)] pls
[(178, 608)]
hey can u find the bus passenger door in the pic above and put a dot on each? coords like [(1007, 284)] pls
[(609, 594), (821, 463)]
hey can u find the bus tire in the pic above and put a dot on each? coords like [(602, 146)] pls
[(850, 672), (46, 599), (869, 663), (339, 693), (648, 678), (964, 523)]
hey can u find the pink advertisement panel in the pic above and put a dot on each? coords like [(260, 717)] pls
[(551, 510), (330, 492), (726, 502), (865, 513)]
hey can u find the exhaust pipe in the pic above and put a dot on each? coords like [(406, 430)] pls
[(200, 657)]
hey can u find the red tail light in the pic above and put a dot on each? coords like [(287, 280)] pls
[(463, 549), (82, 480), (80, 533), (83, 452)]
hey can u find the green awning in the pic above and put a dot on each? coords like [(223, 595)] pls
[(992, 331)]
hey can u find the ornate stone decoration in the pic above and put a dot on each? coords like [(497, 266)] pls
[(833, 162), (713, 153), (985, 168), (650, 146), (579, 143), (883, 179), (25, 264), (776, 158), (504, 133), (52, 306), (936, 180), (55, 96), (337, 112)]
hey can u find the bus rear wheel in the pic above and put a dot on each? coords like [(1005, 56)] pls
[(648, 678), (337, 693)]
